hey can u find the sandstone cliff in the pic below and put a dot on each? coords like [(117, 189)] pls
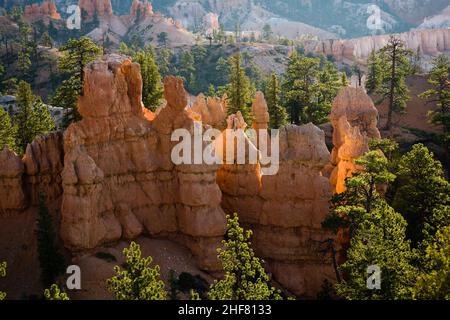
[(11, 180), (114, 173), (430, 42), (118, 177)]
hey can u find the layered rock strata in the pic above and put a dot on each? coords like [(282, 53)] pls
[(354, 119)]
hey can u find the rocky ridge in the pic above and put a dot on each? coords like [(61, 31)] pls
[(114, 175)]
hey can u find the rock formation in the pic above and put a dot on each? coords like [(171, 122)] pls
[(212, 110), (11, 180), (118, 178), (46, 11), (354, 119), (260, 112)]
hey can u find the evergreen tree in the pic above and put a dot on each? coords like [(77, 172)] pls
[(163, 59), (416, 62), (356, 70), (278, 115), (24, 54), (2, 275), (125, 50), (396, 67), (300, 87), (223, 70), (245, 277), (374, 74), (152, 91), (54, 293), (433, 283), (187, 69), (421, 189), (379, 240), (77, 53), (46, 40), (163, 38), (439, 78), (7, 131), (239, 90), (211, 91), (138, 281), (50, 259)]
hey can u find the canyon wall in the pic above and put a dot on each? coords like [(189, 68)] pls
[(354, 119), (118, 178), (115, 175), (46, 11)]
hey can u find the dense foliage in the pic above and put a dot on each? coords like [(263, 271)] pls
[(51, 260)]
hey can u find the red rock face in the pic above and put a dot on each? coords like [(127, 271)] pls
[(285, 210), (12, 196), (431, 42), (119, 180), (354, 119), (45, 11)]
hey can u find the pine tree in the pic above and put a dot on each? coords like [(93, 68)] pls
[(54, 293), (212, 91), (8, 132), (439, 78), (421, 189), (395, 59), (138, 281), (278, 115), (356, 70), (416, 62), (163, 38), (2, 275), (300, 87), (163, 60), (50, 258), (267, 32), (374, 74), (245, 277), (239, 90), (152, 91), (433, 283), (187, 69), (77, 53)]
